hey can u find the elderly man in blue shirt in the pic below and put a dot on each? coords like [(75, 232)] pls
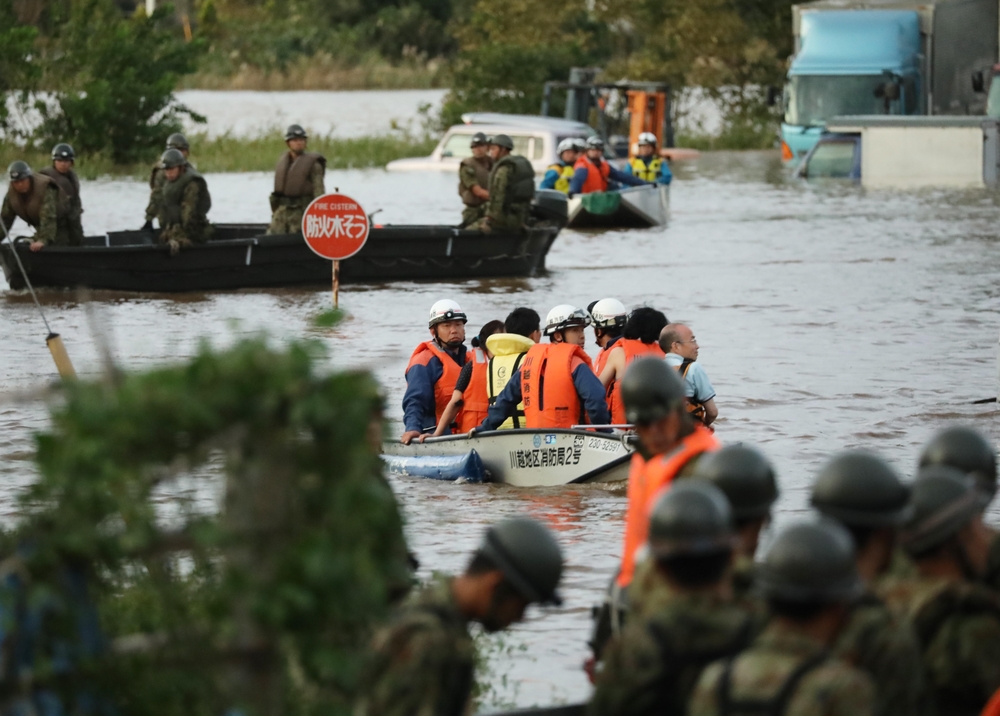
[(678, 342)]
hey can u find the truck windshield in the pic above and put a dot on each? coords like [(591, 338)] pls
[(813, 99)]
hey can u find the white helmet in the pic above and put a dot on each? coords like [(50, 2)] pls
[(446, 310), (647, 138), (609, 312), (579, 144), (566, 145), (565, 316)]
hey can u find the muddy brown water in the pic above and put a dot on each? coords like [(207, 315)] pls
[(828, 317)]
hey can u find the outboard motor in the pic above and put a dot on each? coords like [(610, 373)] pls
[(550, 206)]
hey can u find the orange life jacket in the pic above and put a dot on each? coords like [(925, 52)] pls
[(633, 348), (476, 402), (645, 481), (445, 386), (992, 707), (597, 177), (547, 389)]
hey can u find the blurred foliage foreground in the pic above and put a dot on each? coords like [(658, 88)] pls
[(110, 605)]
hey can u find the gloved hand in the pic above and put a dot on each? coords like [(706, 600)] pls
[(148, 226)]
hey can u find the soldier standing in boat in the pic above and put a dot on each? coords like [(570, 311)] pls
[(35, 199), (70, 207), (512, 187), (298, 179), (184, 204), (474, 180), (157, 179)]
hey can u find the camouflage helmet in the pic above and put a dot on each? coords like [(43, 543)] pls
[(529, 557), (295, 131), (944, 501), (502, 140), (691, 518), (860, 489), (967, 450), (745, 477), (19, 170), (64, 152), (177, 141), (651, 390), (172, 158), (810, 562), (478, 139)]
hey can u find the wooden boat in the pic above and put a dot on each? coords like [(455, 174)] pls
[(524, 458), (241, 256), (635, 207)]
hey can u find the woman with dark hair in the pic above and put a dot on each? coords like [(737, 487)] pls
[(641, 338), (470, 401)]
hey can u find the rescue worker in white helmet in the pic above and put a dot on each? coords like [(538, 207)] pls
[(592, 172), (558, 175), (556, 381), (646, 165), (608, 317), (434, 370)]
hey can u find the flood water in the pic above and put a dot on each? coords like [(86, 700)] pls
[(828, 317)]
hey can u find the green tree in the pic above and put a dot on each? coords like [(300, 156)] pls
[(17, 73)]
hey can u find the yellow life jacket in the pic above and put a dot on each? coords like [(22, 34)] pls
[(508, 351), (565, 172), (649, 172)]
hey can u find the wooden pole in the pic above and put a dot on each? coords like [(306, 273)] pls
[(336, 283)]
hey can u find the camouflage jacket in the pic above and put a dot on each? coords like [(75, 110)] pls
[(421, 662), (653, 666), (156, 181), (47, 228), (763, 674), (885, 646), (957, 625)]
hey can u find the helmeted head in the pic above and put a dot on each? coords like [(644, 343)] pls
[(295, 131), (566, 150), (579, 144), (608, 314), (945, 500), (19, 171), (746, 478), (566, 323), (860, 490), (178, 141), (595, 147), (478, 140), (529, 556), (965, 449), (810, 563), (651, 391), (646, 144), (447, 322), (63, 152), (691, 518), (500, 145)]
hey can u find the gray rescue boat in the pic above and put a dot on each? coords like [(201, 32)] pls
[(524, 458), (635, 207)]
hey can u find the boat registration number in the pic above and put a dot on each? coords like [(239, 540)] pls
[(603, 445), (545, 457)]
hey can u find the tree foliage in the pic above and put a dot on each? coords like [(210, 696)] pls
[(262, 607)]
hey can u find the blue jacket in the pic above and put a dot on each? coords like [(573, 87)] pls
[(551, 177), (665, 177), (580, 176), (587, 385), (418, 401)]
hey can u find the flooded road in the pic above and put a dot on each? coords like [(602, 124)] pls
[(828, 317)]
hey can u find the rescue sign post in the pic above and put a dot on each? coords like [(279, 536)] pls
[(335, 227)]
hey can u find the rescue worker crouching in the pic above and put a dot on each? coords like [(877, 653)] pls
[(556, 380), (298, 179), (511, 189), (157, 178), (35, 200), (469, 398), (184, 204), (70, 208), (593, 173), (640, 337), (474, 180), (522, 330), (433, 370), (646, 165), (558, 175)]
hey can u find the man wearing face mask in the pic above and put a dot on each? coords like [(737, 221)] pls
[(422, 662)]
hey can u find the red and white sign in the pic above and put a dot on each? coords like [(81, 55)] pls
[(335, 226)]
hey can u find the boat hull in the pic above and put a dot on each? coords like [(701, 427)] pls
[(641, 207), (241, 256), (532, 458)]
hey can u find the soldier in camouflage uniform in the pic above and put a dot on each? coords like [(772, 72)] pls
[(184, 204), (956, 618), (474, 180), (864, 494), (157, 179), (808, 578), (691, 617), (298, 179), (421, 663), (70, 207), (511, 189), (965, 449), (35, 199)]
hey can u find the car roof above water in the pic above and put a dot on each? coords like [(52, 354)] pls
[(527, 121)]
